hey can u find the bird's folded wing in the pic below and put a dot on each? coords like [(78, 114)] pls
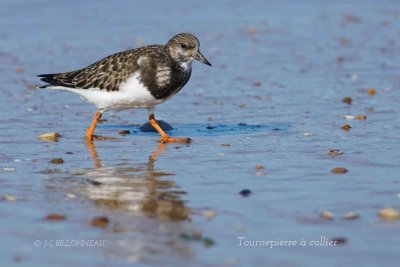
[(106, 74)]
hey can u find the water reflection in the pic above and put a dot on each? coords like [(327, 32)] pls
[(140, 188)]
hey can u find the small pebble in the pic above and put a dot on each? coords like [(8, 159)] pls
[(390, 214), (70, 195), (101, 221), (371, 91), (49, 137), (225, 145), (9, 198), (197, 236), (352, 18), (339, 240), (245, 192), (334, 152), (124, 132), (55, 217), (351, 216), (339, 170), (260, 167), (208, 242), (326, 215), (361, 117), (340, 59), (346, 127), (347, 100), (57, 161), (257, 84), (209, 214), (349, 117)]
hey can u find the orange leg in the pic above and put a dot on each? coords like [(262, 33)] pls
[(164, 137), (90, 131)]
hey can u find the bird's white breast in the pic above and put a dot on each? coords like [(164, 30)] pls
[(131, 94), (187, 66)]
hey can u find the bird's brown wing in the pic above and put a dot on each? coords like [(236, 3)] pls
[(105, 74)]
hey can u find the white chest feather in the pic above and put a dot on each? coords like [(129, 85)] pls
[(187, 66), (131, 94)]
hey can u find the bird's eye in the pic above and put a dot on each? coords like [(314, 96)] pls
[(184, 46)]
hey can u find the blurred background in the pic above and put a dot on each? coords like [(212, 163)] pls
[(286, 76)]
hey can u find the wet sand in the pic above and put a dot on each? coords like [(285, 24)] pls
[(263, 120)]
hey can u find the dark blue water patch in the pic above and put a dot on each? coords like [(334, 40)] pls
[(203, 129)]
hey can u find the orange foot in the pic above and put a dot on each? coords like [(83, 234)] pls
[(164, 137), (167, 139)]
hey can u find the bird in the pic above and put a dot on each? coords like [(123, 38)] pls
[(137, 78)]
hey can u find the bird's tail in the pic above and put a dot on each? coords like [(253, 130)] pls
[(47, 78)]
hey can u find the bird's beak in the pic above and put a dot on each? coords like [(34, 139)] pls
[(201, 58)]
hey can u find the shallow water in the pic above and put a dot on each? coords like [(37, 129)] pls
[(273, 98)]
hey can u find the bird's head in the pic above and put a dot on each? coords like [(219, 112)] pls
[(184, 48)]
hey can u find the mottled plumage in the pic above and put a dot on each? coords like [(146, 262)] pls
[(110, 72), (137, 78)]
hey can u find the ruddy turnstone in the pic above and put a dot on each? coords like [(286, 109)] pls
[(138, 78)]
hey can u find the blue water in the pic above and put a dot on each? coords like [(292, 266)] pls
[(272, 98)]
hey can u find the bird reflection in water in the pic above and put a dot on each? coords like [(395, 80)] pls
[(141, 188)]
